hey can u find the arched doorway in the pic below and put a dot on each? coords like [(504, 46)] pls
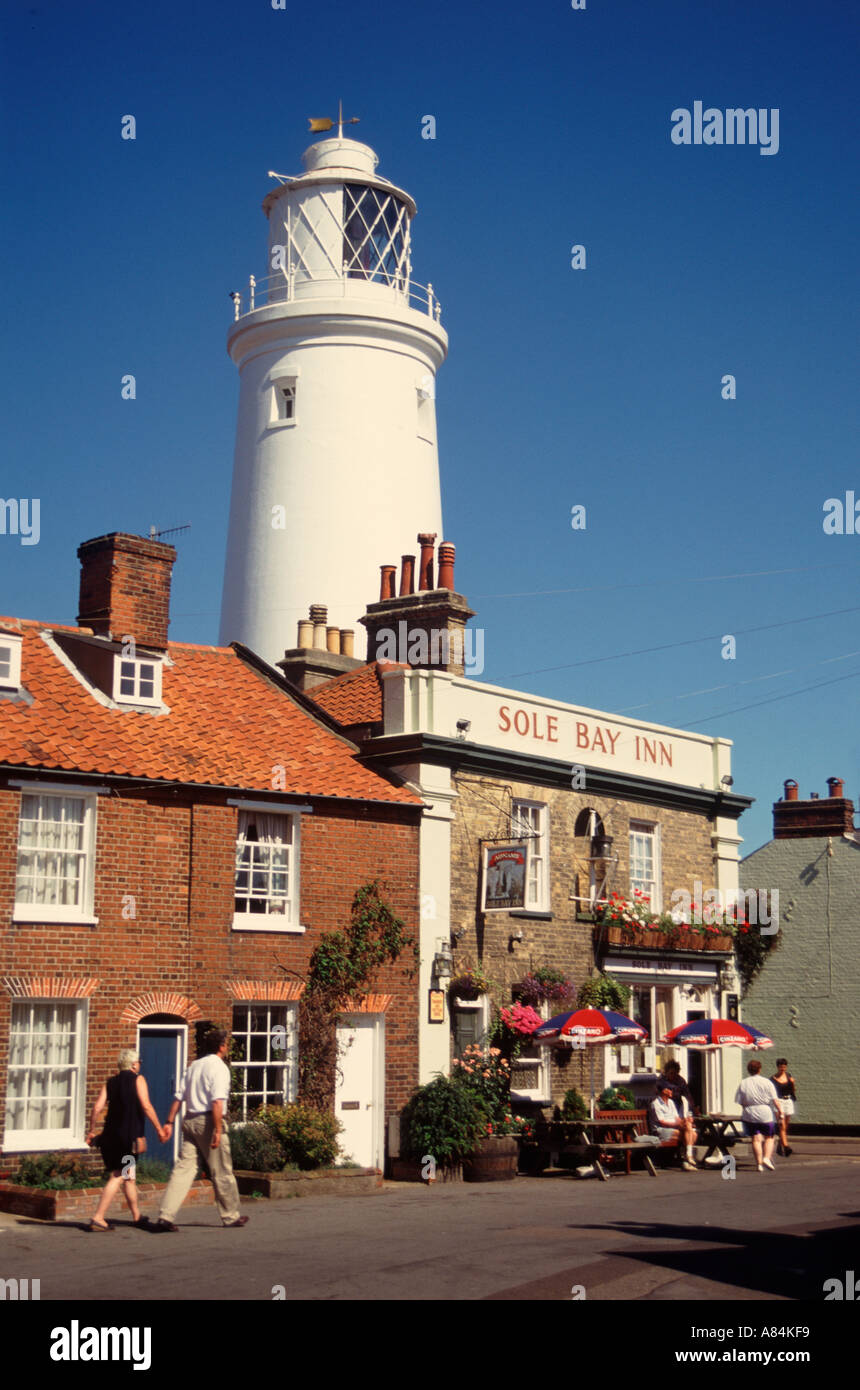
[(162, 1040)]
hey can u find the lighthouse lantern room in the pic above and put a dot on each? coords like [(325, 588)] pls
[(336, 461)]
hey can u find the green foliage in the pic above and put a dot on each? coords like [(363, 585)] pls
[(344, 965), (152, 1170), (616, 1098), (308, 1137), (256, 1148), (486, 1075), (345, 962), (604, 992), (443, 1119), (752, 949), (55, 1172), (574, 1106)]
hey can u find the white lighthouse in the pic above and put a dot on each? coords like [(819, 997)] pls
[(336, 467)]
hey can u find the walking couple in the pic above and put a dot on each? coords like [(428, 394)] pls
[(204, 1091)]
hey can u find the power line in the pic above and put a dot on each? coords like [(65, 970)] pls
[(691, 723), (735, 685), (675, 580), (688, 642)]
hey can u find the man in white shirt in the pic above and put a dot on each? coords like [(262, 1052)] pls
[(667, 1123), (205, 1090), (759, 1102)]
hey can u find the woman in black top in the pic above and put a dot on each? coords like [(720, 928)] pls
[(126, 1096), (784, 1084)]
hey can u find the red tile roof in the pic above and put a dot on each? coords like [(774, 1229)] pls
[(229, 724), (355, 697)]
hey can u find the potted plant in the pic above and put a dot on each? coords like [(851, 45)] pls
[(616, 1098), (484, 1074), (574, 1106), (604, 992), (545, 985), (470, 984), (440, 1126)]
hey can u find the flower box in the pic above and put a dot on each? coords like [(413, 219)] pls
[(47, 1204)]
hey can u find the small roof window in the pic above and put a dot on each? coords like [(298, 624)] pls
[(137, 680), (10, 661)]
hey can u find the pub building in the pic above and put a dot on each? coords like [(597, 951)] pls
[(599, 803)]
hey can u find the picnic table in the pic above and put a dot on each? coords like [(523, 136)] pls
[(719, 1132), (595, 1140)]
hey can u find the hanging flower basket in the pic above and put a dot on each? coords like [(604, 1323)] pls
[(470, 985)]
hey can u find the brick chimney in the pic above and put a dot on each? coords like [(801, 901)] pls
[(423, 629), (125, 588), (819, 816)]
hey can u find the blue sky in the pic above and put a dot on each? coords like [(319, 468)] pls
[(599, 387)]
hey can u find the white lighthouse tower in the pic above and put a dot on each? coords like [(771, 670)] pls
[(336, 467)]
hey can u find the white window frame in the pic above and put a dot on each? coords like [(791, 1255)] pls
[(81, 913), (535, 823), (289, 1012), (288, 921), (12, 681), (537, 1066), (137, 662), (43, 1140), (279, 386), (654, 888)]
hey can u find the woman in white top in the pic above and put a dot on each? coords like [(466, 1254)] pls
[(758, 1099)]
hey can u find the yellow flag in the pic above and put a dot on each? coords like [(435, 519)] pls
[(319, 123)]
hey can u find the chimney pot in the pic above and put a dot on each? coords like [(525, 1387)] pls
[(836, 786), (319, 617), (790, 789), (425, 573), (386, 581), (446, 565), (306, 633), (333, 639), (407, 576), (347, 637)]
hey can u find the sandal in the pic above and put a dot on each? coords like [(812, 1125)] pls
[(109, 1226)]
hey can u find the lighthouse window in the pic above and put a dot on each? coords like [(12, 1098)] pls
[(284, 401), (375, 235)]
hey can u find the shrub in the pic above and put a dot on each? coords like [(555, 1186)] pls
[(56, 1172), (152, 1170), (616, 1098), (443, 1119), (308, 1137), (574, 1106), (257, 1148)]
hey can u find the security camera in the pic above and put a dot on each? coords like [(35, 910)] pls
[(463, 727)]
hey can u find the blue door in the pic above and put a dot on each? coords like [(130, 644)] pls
[(161, 1051)]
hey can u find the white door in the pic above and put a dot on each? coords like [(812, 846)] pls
[(359, 1094)]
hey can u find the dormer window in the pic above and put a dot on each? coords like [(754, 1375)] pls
[(137, 681), (10, 662)]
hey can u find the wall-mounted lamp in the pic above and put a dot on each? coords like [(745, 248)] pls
[(443, 962), (514, 938), (463, 727), (458, 933), (727, 781)]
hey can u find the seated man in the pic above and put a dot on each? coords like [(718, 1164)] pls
[(667, 1123), (680, 1089)]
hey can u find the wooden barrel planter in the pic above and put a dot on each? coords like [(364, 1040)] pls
[(494, 1160)]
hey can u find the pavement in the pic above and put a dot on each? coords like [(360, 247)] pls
[(698, 1235)]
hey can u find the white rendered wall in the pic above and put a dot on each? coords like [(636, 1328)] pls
[(356, 474)]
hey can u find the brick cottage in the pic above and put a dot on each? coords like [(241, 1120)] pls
[(178, 827)]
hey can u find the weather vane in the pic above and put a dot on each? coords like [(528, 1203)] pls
[(317, 123)]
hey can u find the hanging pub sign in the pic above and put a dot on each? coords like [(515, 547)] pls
[(504, 878)]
